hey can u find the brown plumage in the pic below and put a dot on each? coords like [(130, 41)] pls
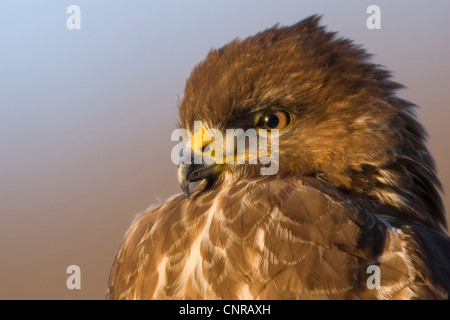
[(356, 185)]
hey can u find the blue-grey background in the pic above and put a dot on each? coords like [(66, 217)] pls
[(86, 115)]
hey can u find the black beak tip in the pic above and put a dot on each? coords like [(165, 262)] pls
[(188, 173), (183, 180), (186, 190)]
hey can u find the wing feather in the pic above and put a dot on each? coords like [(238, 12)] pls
[(269, 238)]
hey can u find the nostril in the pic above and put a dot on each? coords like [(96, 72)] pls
[(206, 144)]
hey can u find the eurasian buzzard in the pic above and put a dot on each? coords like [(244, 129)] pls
[(356, 186)]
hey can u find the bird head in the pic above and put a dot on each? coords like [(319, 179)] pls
[(336, 116)]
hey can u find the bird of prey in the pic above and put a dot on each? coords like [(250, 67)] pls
[(355, 196)]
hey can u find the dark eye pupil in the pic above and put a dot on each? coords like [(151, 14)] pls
[(271, 120)]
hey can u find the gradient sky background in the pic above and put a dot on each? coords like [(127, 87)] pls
[(86, 115)]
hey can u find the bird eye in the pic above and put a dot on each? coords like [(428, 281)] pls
[(274, 120)]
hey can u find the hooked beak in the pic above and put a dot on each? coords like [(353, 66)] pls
[(188, 173), (192, 167)]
